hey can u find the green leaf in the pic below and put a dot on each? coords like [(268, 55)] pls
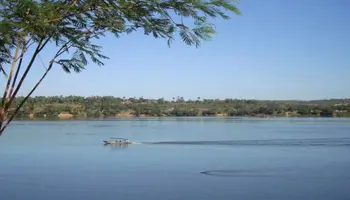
[(77, 63)]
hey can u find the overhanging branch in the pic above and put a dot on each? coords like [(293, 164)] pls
[(59, 52)]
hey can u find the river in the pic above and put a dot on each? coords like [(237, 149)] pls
[(178, 158)]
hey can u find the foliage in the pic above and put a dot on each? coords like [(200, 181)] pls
[(74, 25), (107, 106)]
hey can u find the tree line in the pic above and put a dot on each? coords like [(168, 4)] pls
[(108, 106)]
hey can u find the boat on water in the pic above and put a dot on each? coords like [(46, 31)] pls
[(118, 141)]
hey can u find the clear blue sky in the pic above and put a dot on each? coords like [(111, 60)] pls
[(277, 49)]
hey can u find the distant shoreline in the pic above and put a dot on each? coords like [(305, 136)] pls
[(78, 107)]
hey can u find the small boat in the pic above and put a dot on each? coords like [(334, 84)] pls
[(118, 141)]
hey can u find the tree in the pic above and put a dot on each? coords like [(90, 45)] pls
[(303, 110), (72, 25), (326, 112)]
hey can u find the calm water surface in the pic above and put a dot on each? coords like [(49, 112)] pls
[(183, 158)]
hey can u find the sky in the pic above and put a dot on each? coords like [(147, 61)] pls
[(275, 50)]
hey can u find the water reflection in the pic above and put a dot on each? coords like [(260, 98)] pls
[(116, 146)]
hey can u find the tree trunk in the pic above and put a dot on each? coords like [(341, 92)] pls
[(2, 119)]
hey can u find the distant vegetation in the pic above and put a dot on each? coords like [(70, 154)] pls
[(107, 106)]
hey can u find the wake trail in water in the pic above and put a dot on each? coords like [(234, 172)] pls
[(269, 142)]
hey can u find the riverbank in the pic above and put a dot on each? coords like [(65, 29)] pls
[(159, 117), (114, 107)]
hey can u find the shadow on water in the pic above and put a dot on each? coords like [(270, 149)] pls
[(270, 142)]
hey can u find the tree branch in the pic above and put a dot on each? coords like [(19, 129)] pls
[(59, 52), (3, 110), (24, 49), (56, 19), (24, 76), (25, 99), (10, 76)]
